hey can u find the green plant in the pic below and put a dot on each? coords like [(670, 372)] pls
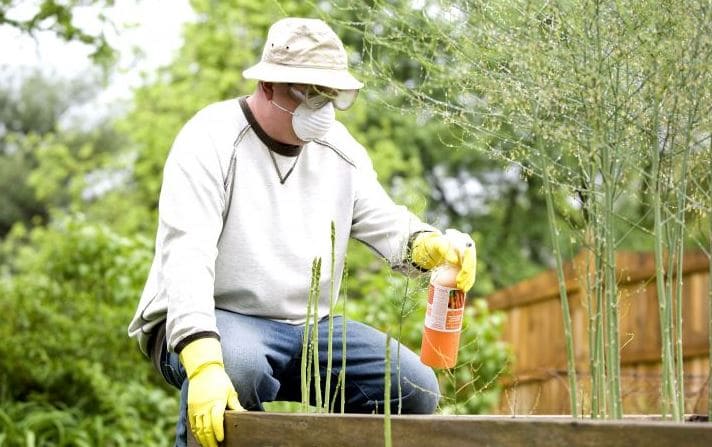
[(606, 105), (68, 366)]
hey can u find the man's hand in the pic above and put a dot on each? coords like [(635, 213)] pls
[(433, 249), (210, 390)]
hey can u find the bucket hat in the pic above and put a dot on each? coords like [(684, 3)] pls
[(304, 51)]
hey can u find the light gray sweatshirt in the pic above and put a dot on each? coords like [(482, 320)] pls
[(238, 231)]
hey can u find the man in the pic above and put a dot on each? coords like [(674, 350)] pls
[(250, 190)]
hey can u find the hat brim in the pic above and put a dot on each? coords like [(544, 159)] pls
[(268, 72)]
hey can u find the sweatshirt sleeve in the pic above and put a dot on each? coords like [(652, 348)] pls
[(387, 228), (191, 204)]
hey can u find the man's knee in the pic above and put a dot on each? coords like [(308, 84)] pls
[(421, 391), (252, 376)]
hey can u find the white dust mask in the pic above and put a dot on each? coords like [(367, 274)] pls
[(310, 124)]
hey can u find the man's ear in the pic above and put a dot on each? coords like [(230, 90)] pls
[(267, 89)]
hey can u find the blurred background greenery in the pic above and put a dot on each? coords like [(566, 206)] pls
[(78, 197), (78, 217)]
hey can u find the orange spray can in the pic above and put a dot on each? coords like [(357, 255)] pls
[(443, 319)]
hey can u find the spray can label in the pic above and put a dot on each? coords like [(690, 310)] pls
[(446, 306)]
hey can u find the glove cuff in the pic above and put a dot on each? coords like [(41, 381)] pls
[(420, 255), (199, 354)]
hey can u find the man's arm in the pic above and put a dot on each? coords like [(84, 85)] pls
[(400, 237), (190, 221), (384, 226)]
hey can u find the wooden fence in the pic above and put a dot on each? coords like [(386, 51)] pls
[(537, 382)]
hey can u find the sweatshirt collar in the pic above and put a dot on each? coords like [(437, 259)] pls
[(288, 150)]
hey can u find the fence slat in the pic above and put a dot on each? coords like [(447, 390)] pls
[(533, 328)]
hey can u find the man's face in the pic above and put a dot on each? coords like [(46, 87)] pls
[(315, 97), (316, 105), (284, 98), (282, 107)]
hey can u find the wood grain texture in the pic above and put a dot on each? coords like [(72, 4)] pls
[(276, 430), (631, 267), (536, 381)]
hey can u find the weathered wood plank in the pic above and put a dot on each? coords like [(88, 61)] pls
[(280, 429), (536, 379), (631, 267)]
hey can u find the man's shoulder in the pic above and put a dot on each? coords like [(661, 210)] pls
[(340, 140), (226, 111), (222, 118), (220, 122)]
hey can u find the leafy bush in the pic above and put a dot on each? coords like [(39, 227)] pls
[(68, 368), (128, 423)]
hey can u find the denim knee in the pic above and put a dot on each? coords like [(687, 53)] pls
[(421, 391), (253, 378)]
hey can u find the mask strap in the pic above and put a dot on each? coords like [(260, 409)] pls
[(282, 108)]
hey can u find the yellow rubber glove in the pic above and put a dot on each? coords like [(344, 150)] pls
[(210, 390), (434, 248)]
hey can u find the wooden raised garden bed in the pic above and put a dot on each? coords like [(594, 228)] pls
[(286, 429)]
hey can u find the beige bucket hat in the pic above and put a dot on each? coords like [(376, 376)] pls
[(304, 51)]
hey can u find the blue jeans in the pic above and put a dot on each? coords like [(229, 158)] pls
[(263, 359)]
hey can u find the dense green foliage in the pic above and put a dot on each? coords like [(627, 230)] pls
[(607, 103), (69, 375), (585, 89), (79, 218), (28, 112), (465, 103)]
